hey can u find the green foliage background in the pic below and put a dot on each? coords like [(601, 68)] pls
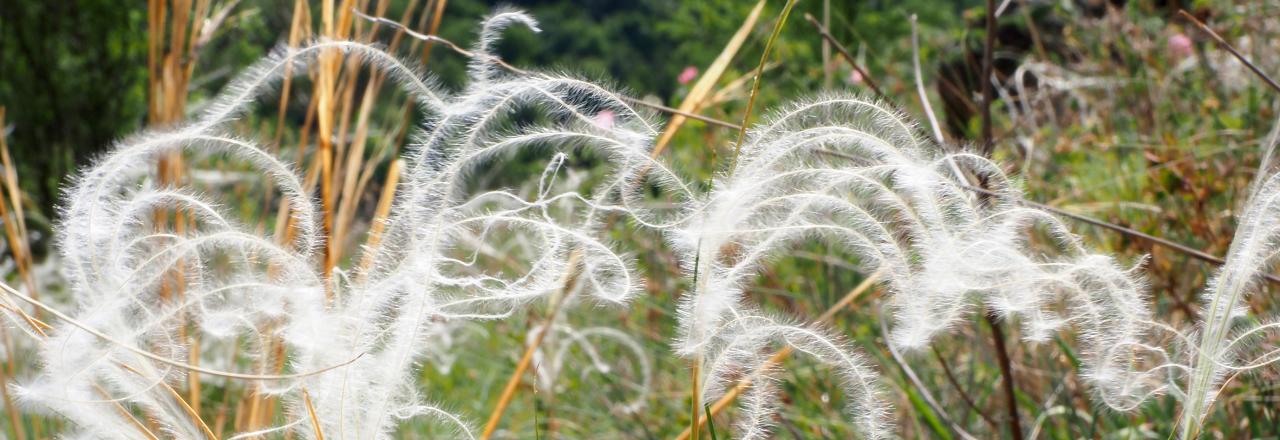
[(1163, 149), (73, 73)]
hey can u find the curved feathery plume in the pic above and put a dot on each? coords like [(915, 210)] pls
[(854, 174), (484, 65), (1226, 342), (352, 358), (849, 172), (553, 358), (737, 354)]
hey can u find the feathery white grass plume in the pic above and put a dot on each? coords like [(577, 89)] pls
[(853, 173), (1227, 341), (355, 356), (553, 358), (841, 169)]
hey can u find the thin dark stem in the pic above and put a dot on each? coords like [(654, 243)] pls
[(676, 111), (1006, 373), (469, 54), (915, 380), (955, 383), (1227, 46), (844, 53), (756, 81), (997, 334), (1197, 254), (1179, 247), (987, 145), (1173, 245)]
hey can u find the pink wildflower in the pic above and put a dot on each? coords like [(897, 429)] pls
[(855, 77), (688, 74), (1180, 45)]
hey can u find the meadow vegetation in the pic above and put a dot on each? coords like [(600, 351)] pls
[(373, 231)]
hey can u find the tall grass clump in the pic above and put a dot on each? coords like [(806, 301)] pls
[(278, 312), (341, 352), (1229, 342), (856, 175)]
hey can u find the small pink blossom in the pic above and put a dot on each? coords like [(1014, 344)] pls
[(604, 119), (688, 74), (855, 77), (1180, 45)]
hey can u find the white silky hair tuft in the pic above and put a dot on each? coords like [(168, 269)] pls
[(853, 173), (354, 350), (1226, 341), (847, 171)]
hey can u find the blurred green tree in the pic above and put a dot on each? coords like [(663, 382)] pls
[(72, 75)]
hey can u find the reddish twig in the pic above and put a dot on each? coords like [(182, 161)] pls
[(1172, 245), (1227, 47), (1006, 374), (844, 53)]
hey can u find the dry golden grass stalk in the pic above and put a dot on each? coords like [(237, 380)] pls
[(142, 428), (299, 27), (755, 83), (9, 369), (311, 412), (191, 412), (176, 31), (358, 169), (700, 90), (15, 228), (509, 391), (437, 12), (383, 211), (781, 355), (14, 419), (324, 89)]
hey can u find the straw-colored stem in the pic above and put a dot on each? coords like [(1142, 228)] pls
[(698, 93), (328, 70), (382, 212), (12, 368), (696, 422), (36, 325), (191, 412), (311, 412), (354, 162), (16, 229), (173, 42), (436, 14), (14, 419), (297, 27), (756, 81), (13, 293), (779, 356), (508, 392), (126, 414), (357, 171)]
